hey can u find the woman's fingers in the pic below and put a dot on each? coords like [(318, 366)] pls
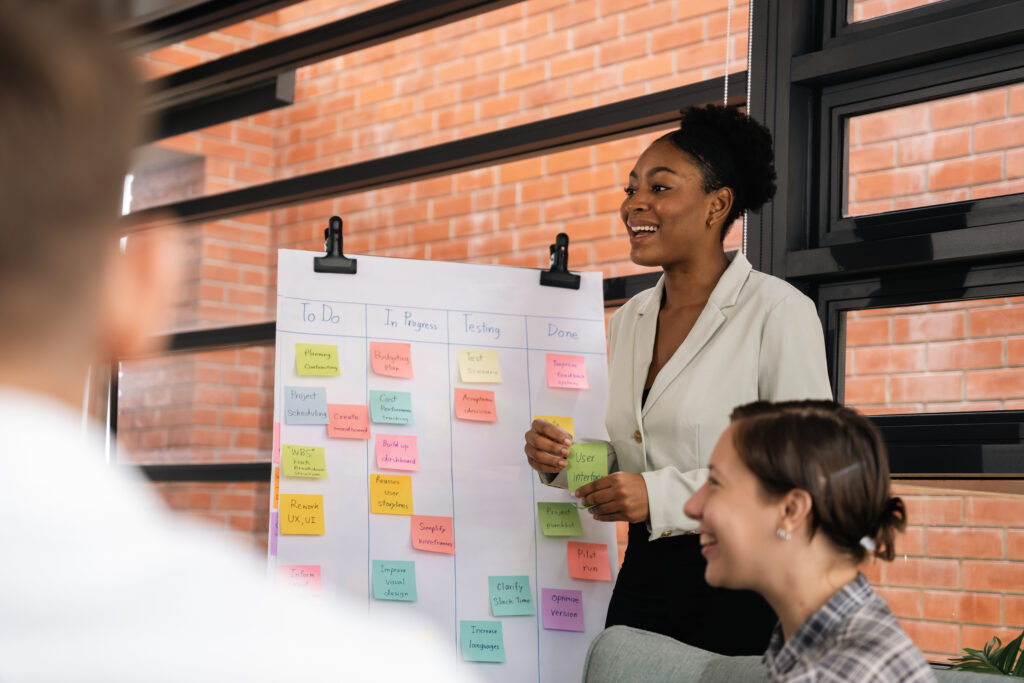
[(546, 447)]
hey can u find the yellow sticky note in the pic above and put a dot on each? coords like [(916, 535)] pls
[(302, 514), (303, 461), (560, 422), (317, 360), (391, 494), (479, 366)]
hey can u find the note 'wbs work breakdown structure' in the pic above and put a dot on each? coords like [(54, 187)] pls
[(402, 393)]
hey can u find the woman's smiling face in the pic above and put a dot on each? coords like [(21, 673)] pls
[(737, 520), (666, 210)]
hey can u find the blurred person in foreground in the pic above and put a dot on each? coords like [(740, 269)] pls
[(796, 499), (97, 581)]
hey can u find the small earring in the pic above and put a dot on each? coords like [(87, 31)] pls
[(782, 534)]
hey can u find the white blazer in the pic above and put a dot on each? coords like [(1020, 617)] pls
[(758, 337)]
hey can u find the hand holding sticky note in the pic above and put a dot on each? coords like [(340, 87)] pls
[(588, 462), (564, 423)]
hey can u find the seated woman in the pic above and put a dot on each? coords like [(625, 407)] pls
[(796, 499)]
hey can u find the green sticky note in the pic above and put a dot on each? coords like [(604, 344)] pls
[(391, 407), (303, 461), (587, 462), (510, 595), (559, 519), (317, 360), (481, 641), (394, 580)]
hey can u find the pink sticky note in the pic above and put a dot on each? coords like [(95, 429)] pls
[(391, 359), (475, 404), (397, 452), (348, 422), (561, 610), (303, 575), (589, 561), (433, 533), (567, 372), (276, 455), (273, 533)]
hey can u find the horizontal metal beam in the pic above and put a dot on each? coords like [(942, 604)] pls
[(239, 335), (183, 20), (357, 32), (275, 91), (912, 43), (951, 246), (617, 119), (214, 472)]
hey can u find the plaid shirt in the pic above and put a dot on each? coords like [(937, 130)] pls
[(853, 637)]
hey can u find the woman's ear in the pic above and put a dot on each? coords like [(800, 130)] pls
[(795, 510), (139, 291), (720, 206)]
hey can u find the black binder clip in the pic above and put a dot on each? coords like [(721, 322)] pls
[(334, 261), (559, 275)]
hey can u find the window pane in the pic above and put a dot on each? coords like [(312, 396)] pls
[(237, 508), (958, 576), (942, 357), (965, 147), (862, 10), (215, 406), (520, 64)]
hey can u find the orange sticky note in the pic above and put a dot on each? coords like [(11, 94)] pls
[(567, 372), (277, 485), (302, 514), (475, 404), (347, 421), (391, 359), (435, 534), (589, 561)]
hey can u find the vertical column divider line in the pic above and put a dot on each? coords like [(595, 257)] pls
[(451, 470), (533, 496), (366, 460)]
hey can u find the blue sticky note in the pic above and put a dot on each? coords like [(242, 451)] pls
[(391, 407), (510, 595), (481, 641), (394, 580), (305, 405)]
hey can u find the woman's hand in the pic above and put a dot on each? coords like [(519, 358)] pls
[(547, 447), (619, 497)]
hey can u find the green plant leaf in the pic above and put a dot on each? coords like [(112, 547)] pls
[(995, 658)]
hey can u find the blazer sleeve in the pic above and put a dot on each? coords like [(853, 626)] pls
[(791, 365)]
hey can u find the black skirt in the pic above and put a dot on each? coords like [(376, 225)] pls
[(661, 588)]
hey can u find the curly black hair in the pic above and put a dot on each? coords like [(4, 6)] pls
[(731, 150)]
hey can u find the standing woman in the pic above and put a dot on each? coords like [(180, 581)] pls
[(711, 335)]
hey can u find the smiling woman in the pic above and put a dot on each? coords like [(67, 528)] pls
[(711, 335), (796, 498)]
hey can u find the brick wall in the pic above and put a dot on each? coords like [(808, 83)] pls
[(523, 63), (872, 9)]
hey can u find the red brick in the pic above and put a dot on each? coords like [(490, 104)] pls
[(934, 509), (930, 326), (1000, 321), (946, 542), (978, 169), (975, 608), (905, 358), (931, 387), (861, 390), (934, 146), (1002, 384), (969, 354), (872, 157), (968, 109), (867, 331), (904, 602), (930, 636), (910, 542), (646, 69), (596, 32), (993, 575), (566, 208), (922, 572), (621, 51), (1013, 611), (994, 510), (1015, 544), (891, 124), (999, 135), (521, 170), (678, 33), (978, 636), (893, 183)]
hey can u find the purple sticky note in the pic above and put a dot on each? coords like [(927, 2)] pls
[(273, 533), (561, 609)]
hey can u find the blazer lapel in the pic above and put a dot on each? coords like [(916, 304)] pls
[(710, 319), (643, 342)]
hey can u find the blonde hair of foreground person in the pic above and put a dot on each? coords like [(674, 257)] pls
[(98, 582)]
